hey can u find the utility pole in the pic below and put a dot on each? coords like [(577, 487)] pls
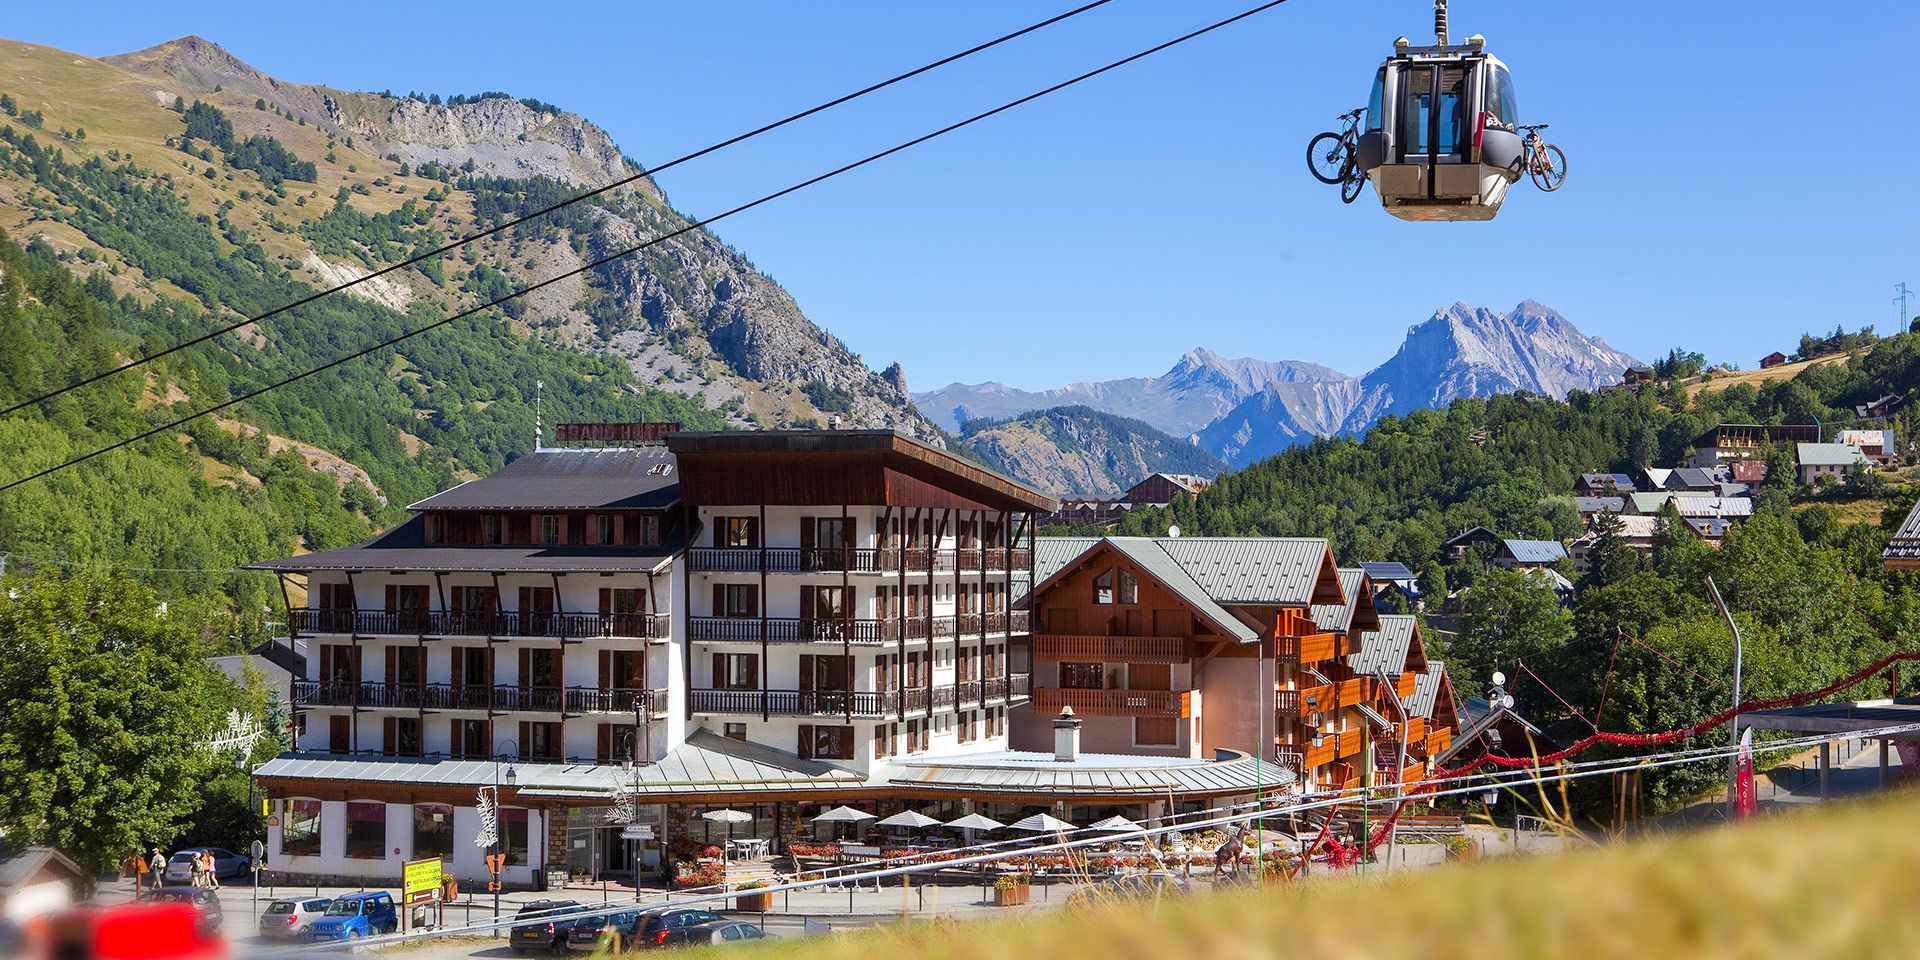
[(1901, 289), (1733, 762)]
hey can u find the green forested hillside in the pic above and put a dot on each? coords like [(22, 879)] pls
[(1806, 585)]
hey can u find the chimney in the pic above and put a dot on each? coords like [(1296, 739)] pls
[(1066, 736)]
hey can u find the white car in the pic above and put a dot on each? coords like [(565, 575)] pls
[(225, 864), (289, 919)]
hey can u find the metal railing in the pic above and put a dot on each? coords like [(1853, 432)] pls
[(859, 630), (792, 703), (1112, 703), (505, 623), (871, 560)]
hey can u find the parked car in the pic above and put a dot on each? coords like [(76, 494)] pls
[(548, 924), (713, 931), (652, 928), (363, 913), (289, 918), (585, 932), (153, 929), (226, 864), (206, 901)]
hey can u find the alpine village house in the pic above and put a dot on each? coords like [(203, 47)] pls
[(639, 624)]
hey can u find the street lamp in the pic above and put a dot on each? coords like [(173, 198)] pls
[(512, 777)]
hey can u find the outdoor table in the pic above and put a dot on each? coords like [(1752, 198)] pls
[(748, 848)]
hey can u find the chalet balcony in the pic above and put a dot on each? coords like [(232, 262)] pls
[(502, 698), (1114, 703), (854, 560), (1295, 703), (1416, 731), (1438, 740), (1084, 648), (564, 626), (1312, 648), (1403, 685), (1305, 753), (1356, 690)]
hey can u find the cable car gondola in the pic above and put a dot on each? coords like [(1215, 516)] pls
[(1441, 139)]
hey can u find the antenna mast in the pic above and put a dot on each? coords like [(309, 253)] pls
[(1440, 21), (1901, 289)]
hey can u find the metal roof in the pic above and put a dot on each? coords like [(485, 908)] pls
[(1426, 690), (1600, 504), (1620, 480), (16, 870), (1230, 773), (1150, 557), (1904, 548), (1713, 506), (1052, 553), (405, 548), (1692, 478), (705, 763), (1713, 528), (1381, 571), (1535, 551), (1338, 617), (570, 479), (1266, 570), (1383, 652), (1829, 455)]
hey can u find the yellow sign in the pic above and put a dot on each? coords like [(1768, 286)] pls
[(420, 880)]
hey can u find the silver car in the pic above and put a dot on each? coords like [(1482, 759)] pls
[(289, 919)]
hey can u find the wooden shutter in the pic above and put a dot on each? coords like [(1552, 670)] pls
[(526, 668), (719, 671), (620, 528), (456, 745), (388, 740), (354, 656), (606, 601), (606, 669), (526, 737), (393, 662), (806, 741), (492, 670), (809, 597), (809, 530), (393, 598), (847, 536), (806, 671), (719, 599), (605, 746), (326, 663)]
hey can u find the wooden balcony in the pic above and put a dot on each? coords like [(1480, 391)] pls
[(1307, 700), (1114, 703), (1416, 731), (1101, 649), (1403, 685), (1311, 648), (505, 623), (1438, 740), (1356, 690), (1309, 755)]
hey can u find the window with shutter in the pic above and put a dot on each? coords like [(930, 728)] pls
[(806, 741)]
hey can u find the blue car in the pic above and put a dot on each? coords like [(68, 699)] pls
[(367, 913)]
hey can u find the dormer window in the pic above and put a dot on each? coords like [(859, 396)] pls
[(1129, 588), (549, 529), (602, 528)]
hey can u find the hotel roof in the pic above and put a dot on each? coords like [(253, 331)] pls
[(1339, 617), (1426, 689), (627, 478), (1384, 652), (1829, 455)]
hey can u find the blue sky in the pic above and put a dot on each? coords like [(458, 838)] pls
[(1720, 197)]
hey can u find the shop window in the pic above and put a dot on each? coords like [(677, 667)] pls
[(366, 830), (432, 831), (300, 834)]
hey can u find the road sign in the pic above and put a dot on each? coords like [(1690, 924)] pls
[(640, 831), (420, 880), (273, 821), (258, 850)]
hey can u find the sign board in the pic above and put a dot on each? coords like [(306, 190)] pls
[(640, 831), (257, 850), (614, 432), (273, 821), (420, 880)]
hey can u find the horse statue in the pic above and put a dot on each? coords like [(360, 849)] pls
[(1231, 854)]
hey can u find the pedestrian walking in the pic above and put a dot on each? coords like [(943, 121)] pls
[(213, 873), (198, 869), (157, 866)]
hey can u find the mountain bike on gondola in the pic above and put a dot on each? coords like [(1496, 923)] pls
[(1542, 160), (1332, 158)]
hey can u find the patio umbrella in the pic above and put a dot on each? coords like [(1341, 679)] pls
[(728, 817), (1114, 825), (843, 814), (1042, 823), (974, 821), (911, 819)]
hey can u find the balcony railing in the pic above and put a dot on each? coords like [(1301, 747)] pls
[(860, 560), (571, 626), (1294, 703), (500, 698), (1099, 649), (1312, 648), (860, 703), (1114, 703), (859, 630)]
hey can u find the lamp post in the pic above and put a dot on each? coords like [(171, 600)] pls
[(512, 777), (244, 764)]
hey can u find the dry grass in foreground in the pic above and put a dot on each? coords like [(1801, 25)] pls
[(1838, 882)]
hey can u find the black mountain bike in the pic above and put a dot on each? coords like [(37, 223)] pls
[(1333, 160), (1543, 160)]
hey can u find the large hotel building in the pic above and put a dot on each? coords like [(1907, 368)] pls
[(777, 623)]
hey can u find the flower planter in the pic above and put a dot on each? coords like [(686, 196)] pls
[(755, 902), (1011, 896)]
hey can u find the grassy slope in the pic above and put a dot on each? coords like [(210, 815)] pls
[(1785, 371), (1837, 882)]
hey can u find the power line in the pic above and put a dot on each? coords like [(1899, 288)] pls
[(629, 251), (624, 181)]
